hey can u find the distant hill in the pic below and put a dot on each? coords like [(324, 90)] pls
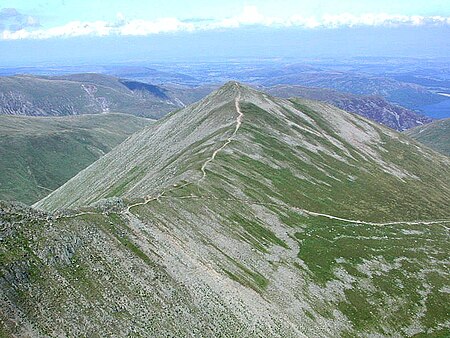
[(436, 135), (373, 107), (146, 74), (81, 94), (409, 95), (39, 154)]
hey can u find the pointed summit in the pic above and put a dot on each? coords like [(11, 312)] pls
[(235, 88), (298, 150)]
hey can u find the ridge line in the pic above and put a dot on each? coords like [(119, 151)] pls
[(210, 159), (239, 119), (238, 125)]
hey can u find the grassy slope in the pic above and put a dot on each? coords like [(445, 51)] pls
[(436, 135), (39, 154), (234, 254)]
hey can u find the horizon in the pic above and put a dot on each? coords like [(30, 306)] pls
[(61, 32)]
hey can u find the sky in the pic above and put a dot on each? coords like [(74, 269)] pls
[(77, 29)]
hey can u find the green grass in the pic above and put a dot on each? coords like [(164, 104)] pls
[(256, 233), (37, 155), (373, 195), (435, 135), (327, 245)]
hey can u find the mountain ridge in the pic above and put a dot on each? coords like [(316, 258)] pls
[(81, 94), (435, 135), (139, 184), (214, 218)]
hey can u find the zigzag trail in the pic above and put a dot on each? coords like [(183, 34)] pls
[(239, 119)]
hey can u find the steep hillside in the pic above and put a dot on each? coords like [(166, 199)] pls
[(356, 163), (373, 107), (81, 94), (435, 135), (39, 154), (242, 215)]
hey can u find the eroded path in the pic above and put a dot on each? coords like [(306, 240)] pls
[(205, 164), (238, 125)]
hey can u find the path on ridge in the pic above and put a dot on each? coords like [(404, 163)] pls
[(209, 160), (238, 125), (239, 119)]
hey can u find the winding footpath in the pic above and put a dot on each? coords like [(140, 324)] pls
[(238, 125), (209, 160)]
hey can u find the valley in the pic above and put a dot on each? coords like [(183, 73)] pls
[(39, 154)]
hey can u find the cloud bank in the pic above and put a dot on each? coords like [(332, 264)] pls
[(29, 27)]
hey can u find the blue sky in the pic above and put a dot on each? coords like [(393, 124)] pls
[(20, 19), (59, 12), (152, 25)]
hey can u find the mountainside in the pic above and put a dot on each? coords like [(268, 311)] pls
[(81, 94), (373, 107), (321, 146), (39, 154), (241, 215), (436, 135), (405, 94)]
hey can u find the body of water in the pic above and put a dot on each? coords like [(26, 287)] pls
[(439, 110)]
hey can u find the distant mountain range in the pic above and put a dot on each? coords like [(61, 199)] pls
[(95, 93), (436, 135), (409, 95), (39, 154)]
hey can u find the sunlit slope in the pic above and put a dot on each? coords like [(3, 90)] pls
[(436, 135), (255, 219), (301, 153), (81, 94), (39, 154)]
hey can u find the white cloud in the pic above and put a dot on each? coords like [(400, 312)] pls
[(143, 27), (250, 16)]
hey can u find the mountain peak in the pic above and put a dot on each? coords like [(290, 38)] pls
[(238, 129), (240, 192), (234, 88), (231, 87)]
